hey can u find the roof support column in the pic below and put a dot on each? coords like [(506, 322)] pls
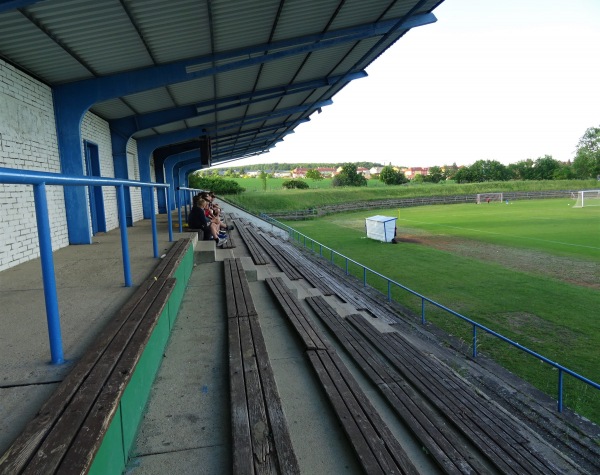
[(119, 153), (69, 112)]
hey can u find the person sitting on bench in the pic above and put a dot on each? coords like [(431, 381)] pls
[(197, 220)]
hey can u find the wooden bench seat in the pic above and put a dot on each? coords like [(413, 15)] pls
[(259, 257), (378, 451), (260, 437), (452, 418), (68, 430)]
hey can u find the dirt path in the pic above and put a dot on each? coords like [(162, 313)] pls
[(578, 272)]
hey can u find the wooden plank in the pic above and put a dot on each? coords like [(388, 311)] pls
[(80, 455), (310, 335), (355, 436), (459, 415), (28, 441), (165, 266), (247, 296), (262, 444), (439, 444), (240, 425), (288, 463), (229, 289), (383, 443), (58, 440)]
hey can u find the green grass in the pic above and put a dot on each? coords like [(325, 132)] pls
[(554, 318), (277, 200)]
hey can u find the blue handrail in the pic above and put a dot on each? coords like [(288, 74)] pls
[(39, 180), (561, 369), (181, 202)]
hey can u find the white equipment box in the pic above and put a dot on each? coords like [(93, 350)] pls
[(381, 228)]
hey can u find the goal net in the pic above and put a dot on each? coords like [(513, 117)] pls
[(489, 197), (587, 198)]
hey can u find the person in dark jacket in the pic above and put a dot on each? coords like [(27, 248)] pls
[(197, 220)]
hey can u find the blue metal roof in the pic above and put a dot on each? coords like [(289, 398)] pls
[(245, 73)]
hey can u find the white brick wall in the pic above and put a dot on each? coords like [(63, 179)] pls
[(27, 141), (134, 174)]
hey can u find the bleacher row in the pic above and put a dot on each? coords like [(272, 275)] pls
[(460, 428), (458, 425)]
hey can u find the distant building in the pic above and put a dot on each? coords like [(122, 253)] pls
[(412, 172)]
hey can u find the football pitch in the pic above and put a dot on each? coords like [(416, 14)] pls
[(529, 270)]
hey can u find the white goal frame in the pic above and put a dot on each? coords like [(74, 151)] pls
[(587, 198), (484, 197)]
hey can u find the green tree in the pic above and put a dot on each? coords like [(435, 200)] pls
[(435, 175), (295, 184), (587, 156), (263, 177), (314, 174), (545, 168), (392, 177), (349, 177)]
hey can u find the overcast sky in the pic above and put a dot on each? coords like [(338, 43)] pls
[(490, 80)]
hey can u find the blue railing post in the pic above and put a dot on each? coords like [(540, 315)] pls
[(49, 279), (422, 311), (153, 223), (124, 238), (389, 290), (178, 204), (474, 341), (560, 390), (364, 276), (347, 266), (169, 217)]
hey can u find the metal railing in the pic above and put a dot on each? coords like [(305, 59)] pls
[(183, 201), (296, 236), (39, 180)]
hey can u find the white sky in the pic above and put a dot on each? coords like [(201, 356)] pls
[(499, 80)]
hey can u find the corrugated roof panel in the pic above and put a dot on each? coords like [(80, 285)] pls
[(263, 107), (359, 12), (98, 32), (320, 63), (304, 17), (190, 92), (24, 44), (148, 101), (355, 56), (236, 82), (242, 23), (402, 7), (281, 72), (171, 127), (177, 32), (230, 114), (113, 109), (305, 97), (201, 121)]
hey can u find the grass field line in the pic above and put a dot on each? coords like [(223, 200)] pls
[(500, 234)]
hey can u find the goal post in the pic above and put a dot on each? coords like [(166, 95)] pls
[(587, 198), (489, 197)]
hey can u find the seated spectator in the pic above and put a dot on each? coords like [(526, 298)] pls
[(197, 220)]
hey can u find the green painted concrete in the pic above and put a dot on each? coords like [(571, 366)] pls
[(120, 436)]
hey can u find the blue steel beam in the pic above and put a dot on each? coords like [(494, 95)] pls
[(8, 5), (128, 126), (72, 100), (170, 164), (146, 146)]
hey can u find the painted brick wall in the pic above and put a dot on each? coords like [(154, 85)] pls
[(134, 174), (27, 141), (96, 130)]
